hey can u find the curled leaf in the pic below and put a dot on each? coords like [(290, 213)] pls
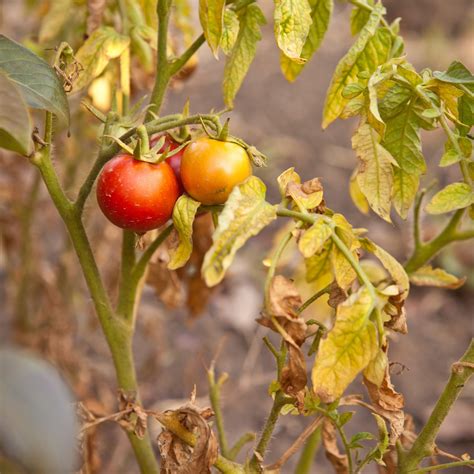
[(429, 276), (308, 195), (339, 461)]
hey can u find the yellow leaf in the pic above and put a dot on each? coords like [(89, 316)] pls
[(245, 214), (342, 269), (314, 238), (429, 276), (375, 371), (357, 195), (348, 349), (318, 267), (288, 176)]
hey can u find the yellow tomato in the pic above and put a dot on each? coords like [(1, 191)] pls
[(211, 168)]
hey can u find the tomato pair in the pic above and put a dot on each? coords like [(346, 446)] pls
[(140, 196)]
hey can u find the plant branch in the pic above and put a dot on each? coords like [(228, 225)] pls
[(239, 444), (294, 448), (125, 307), (312, 299), (441, 467), (305, 463), (215, 396), (180, 62), (424, 443)]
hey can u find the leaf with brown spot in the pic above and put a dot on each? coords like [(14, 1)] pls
[(338, 460), (336, 295), (395, 310), (293, 377), (388, 403), (308, 195)]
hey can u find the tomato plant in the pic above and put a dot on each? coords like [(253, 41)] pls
[(136, 195), (316, 359), (210, 169)]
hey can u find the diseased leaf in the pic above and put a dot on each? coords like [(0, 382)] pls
[(375, 171), (102, 45), (292, 25), (371, 49), (348, 349), (359, 17), (318, 267), (245, 214), (36, 79), (288, 176), (15, 121), (243, 52), (402, 140), (342, 269), (184, 212), (453, 196), (321, 11), (375, 371), (53, 22), (313, 239), (308, 196), (211, 16), (429, 276), (339, 461), (230, 31)]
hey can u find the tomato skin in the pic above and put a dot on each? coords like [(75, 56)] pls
[(175, 160), (211, 168), (136, 195)]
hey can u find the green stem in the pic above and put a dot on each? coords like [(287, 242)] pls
[(305, 463), (278, 403), (125, 308), (312, 299), (117, 333), (424, 444), (448, 465), (424, 252), (179, 63), (343, 436), (214, 396), (239, 444)]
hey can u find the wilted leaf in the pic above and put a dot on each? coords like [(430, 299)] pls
[(318, 267), (102, 45), (53, 22), (245, 214), (313, 239), (15, 122), (339, 461), (24, 68), (342, 269), (308, 195), (321, 11), (177, 456), (284, 299), (292, 25), (388, 403), (348, 348), (375, 371), (453, 196), (371, 49), (402, 140), (293, 377), (429, 276), (230, 31), (211, 15), (288, 176), (184, 212), (243, 52), (375, 172)]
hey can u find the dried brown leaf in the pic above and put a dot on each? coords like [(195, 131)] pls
[(338, 460), (336, 295), (396, 310), (293, 377)]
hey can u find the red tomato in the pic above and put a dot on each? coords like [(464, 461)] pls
[(175, 160), (136, 195)]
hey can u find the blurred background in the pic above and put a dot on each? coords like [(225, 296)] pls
[(181, 325)]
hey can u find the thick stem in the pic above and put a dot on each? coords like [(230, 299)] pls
[(424, 443), (448, 465), (125, 308)]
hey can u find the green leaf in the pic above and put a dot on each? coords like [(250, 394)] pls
[(457, 73), (102, 45), (377, 453), (348, 349), (359, 17), (314, 238), (429, 276), (402, 140), (454, 196), (53, 22), (243, 52), (230, 31), (451, 155), (211, 16), (375, 171), (36, 79), (394, 101), (371, 49), (292, 24), (15, 122), (245, 214), (184, 213), (321, 11)]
